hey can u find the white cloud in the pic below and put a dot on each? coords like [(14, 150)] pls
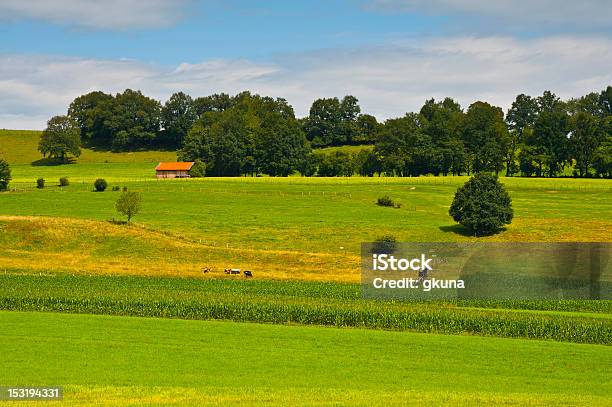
[(97, 14), (389, 81), (551, 12)]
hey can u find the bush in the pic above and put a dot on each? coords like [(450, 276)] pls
[(100, 185), (64, 182), (198, 170), (40, 183), (116, 188), (482, 205), (5, 175), (384, 244), (387, 201)]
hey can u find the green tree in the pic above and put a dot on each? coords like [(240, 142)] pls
[(5, 175), (605, 101), (443, 123), (213, 103), (367, 129), (128, 204), (586, 136), (280, 145), (403, 147), (93, 112), (198, 170), (100, 185), (482, 205), (550, 138), (61, 138), (602, 160), (323, 122), (368, 163), (177, 116), (348, 129), (521, 117), (336, 164), (135, 120), (486, 136), (308, 165), (256, 133)]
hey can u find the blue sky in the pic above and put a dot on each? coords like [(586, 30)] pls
[(391, 54)]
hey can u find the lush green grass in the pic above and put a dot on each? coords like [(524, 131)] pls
[(19, 148), (141, 360), (234, 298), (323, 215)]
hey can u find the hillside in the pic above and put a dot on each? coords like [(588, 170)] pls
[(21, 147)]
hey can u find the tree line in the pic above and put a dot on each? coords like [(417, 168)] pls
[(250, 134)]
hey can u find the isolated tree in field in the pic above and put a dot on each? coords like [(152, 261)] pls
[(61, 138), (100, 185), (128, 204), (482, 205), (5, 175)]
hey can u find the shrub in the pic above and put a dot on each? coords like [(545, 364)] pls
[(116, 188), (125, 189), (384, 244), (40, 183), (100, 185), (64, 182), (5, 175), (482, 205), (198, 170), (387, 201)]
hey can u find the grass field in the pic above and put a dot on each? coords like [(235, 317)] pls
[(61, 250), (194, 362)]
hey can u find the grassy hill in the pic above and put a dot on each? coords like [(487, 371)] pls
[(19, 148)]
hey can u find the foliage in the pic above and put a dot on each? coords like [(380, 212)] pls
[(255, 135), (384, 244), (486, 136), (64, 182), (586, 137), (135, 120), (482, 205), (40, 183), (337, 122), (100, 185), (198, 170), (61, 138), (177, 116), (5, 175), (128, 204), (387, 201)]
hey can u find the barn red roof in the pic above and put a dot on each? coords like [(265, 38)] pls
[(183, 166)]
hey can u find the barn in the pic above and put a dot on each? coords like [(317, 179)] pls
[(173, 170)]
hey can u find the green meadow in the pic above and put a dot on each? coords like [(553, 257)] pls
[(146, 361), (199, 337)]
